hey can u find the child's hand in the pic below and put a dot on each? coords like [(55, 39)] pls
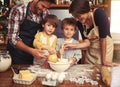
[(72, 61), (61, 50), (51, 50), (38, 53)]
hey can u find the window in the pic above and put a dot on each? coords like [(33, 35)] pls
[(115, 19)]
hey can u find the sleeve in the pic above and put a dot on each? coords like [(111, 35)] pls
[(77, 53), (58, 45), (14, 26), (101, 20), (54, 43), (37, 43)]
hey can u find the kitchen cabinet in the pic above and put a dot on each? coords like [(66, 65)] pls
[(55, 6), (59, 6), (105, 4)]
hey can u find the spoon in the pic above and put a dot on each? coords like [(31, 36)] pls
[(15, 74), (61, 57), (16, 70)]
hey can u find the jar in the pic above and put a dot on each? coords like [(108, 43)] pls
[(5, 61)]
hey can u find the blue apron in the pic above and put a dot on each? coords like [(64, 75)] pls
[(28, 29)]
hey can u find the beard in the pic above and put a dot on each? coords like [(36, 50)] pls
[(35, 8)]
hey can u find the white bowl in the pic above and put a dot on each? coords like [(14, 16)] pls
[(60, 66)]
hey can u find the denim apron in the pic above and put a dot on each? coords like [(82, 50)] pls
[(93, 53), (28, 29)]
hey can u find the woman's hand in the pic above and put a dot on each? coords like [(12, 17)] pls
[(69, 46), (81, 45), (110, 64), (72, 61)]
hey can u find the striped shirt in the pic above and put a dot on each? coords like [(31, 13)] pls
[(16, 18)]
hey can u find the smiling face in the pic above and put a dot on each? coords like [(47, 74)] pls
[(41, 6), (81, 17), (48, 28), (68, 31), (80, 10)]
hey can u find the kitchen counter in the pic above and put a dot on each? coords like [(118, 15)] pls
[(6, 80)]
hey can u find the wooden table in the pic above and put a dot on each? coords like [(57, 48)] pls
[(6, 81)]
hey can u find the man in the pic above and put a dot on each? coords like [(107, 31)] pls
[(24, 22)]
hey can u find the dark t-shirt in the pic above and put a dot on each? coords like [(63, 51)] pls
[(101, 20)]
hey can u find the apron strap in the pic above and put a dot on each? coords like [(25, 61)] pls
[(92, 14), (27, 10)]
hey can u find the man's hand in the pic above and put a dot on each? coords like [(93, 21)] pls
[(38, 53)]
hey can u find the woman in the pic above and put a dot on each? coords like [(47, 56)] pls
[(94, 27)]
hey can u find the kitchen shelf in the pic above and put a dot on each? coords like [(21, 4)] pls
[(59, 6), (100, 5), (65, 6)]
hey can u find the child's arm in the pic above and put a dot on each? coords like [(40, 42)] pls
[(61, 51), (52, 49), (77, 54), (54, 43), (36, 43), (49, 49), (59, 48)]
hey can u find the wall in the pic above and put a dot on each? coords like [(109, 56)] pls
[(61, 13), (116, 56)]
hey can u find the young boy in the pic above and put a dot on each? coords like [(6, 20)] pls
[(45, 40), (68, 29)]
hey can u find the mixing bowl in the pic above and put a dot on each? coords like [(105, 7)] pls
[(60, 66)]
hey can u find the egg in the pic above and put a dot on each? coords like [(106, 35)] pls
[(61, 77), (55, 76), (49, 76)]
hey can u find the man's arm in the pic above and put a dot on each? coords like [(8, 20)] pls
[(37, 53)]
